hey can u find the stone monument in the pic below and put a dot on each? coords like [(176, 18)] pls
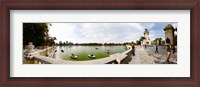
[(30, 51), (146, 41), (169, 34)]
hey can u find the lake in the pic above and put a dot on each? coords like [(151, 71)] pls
[(82, 52)]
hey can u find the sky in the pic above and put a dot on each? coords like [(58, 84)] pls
[(106, 32)]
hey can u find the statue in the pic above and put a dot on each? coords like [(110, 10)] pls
[(146, 40), (30, 51), (169, 34), (30, 48)]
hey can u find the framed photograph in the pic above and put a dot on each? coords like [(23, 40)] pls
[(100, 43)]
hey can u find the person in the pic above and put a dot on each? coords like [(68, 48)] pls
[(133, 50), (156, 49), (168, 52), (72, 55)]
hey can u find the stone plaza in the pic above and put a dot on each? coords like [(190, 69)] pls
[(146, 52), (148, 56)]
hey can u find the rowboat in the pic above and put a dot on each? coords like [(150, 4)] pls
[(91, 56)]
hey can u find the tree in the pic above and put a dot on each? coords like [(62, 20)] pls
[(64, 43), (50, 41), (175, 29), (160, 39), (133, 43), (175, 37), (60, 43), (54, 38), (35, 33), (142, 38), (67, 43), (138, 42)]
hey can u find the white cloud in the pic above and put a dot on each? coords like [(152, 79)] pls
[(102, 32)]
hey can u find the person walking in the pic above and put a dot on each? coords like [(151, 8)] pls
[(133, 50), (156, 49), (168, 52)]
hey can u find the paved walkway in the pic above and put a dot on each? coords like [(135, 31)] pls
[(161, 57), (136, 58), (148, 56), (141, 57)]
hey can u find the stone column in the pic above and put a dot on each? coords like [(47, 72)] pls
[(169, 34)]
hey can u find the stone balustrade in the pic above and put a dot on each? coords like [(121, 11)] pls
[(119, 58), (45, 52)]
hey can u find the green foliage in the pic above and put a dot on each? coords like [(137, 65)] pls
[(138, 42), (160, 39), (142, 38), (175, 40), (50, 41), (129, 43), (35, 33), (60, 43), (175, 37)]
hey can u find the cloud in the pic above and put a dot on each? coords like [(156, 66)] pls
[(158, 32), (102, 32)]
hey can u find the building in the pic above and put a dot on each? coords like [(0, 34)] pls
[(169, 34)]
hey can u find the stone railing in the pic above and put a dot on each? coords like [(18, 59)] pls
[(119, 58), (45, 52), (29, 59)]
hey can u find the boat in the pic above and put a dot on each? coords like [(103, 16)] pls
[(91, 56), (62, 50), (96, 48), (55, 51), (108, 51), (73, 56)]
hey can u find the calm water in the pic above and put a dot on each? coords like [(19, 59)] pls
[(83, 51)]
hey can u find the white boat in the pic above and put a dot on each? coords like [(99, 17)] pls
[(73, 56), (91, 56)]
